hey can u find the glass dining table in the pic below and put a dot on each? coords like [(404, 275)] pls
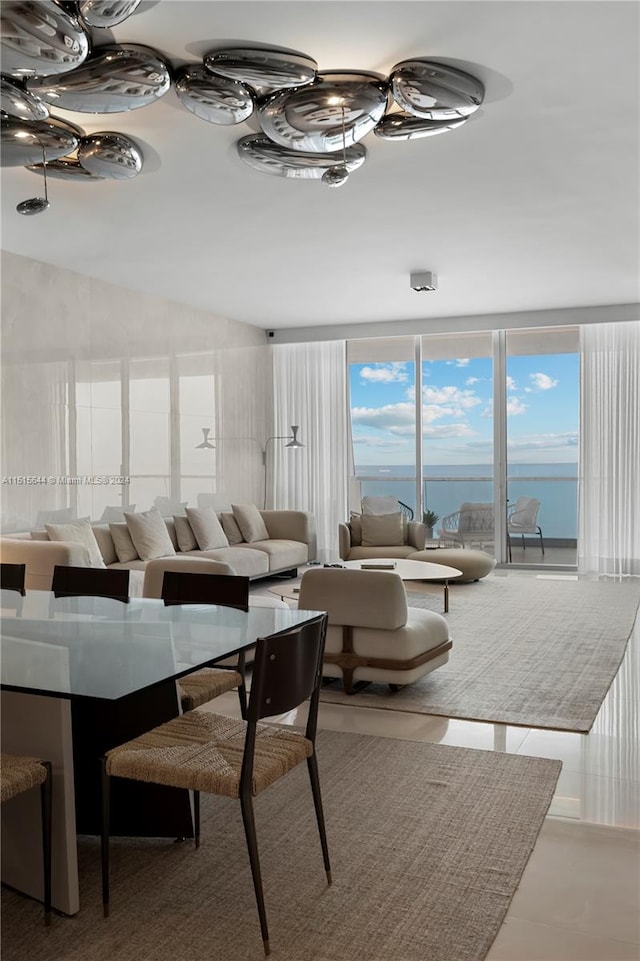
[(81, 675)]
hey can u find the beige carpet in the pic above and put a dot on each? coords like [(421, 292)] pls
[(427, 843), (532, 652)]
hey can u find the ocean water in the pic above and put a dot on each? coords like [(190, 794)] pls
[(447, 486)]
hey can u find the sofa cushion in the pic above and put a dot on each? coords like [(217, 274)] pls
[(207, 528), (105, 543), (39, 536), (149, 534), (230, 527), (124, 546), (78, 532), (371, 553), (382, 530), (184, 532), (250, 522), (245, 561), (282, 554)]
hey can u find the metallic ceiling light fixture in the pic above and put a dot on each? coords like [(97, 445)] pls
[(36, 205), (48, 59)]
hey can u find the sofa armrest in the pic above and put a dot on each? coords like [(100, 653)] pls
[(293, 526), (344, 541), (416, 534), (40, 557)]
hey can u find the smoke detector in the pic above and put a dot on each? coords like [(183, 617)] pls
[(426, 280)]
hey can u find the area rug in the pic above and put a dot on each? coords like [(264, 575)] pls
[(427, 844), (526, 651)]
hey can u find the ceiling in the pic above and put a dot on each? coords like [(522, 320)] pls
[(533, 204)]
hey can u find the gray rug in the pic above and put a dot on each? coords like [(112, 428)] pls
[(427, 842), (526, 651)]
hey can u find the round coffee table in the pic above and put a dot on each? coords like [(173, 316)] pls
[(409, 571)]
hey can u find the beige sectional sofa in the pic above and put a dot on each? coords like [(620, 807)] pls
[(291, 542)]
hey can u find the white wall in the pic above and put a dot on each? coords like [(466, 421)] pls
[(76, 352)]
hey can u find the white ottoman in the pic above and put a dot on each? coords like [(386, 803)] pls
[(473, 564)]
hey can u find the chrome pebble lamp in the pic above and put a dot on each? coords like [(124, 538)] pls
[(311, 122)]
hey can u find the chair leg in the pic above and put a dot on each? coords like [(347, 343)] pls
[(104, 838), (509, 546), (196, 817), (242, 688), (312, 765), (541, 541), (46, 812), (248, 820)]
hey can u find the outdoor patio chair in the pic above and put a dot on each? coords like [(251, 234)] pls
[(522, 519), (472, 525)]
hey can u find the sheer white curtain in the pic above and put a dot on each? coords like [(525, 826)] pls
[(609, 510), (310, 389)]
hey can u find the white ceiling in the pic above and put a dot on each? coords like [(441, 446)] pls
[(533, 204)]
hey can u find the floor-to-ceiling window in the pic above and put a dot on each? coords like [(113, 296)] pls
[(543, 400), (497, 413), (382, 383), (457, 423)]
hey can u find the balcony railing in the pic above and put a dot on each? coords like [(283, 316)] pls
[(558, 496)]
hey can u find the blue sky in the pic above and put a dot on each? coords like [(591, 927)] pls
[(457, 405)]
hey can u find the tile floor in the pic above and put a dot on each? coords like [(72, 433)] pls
[(579, 898)]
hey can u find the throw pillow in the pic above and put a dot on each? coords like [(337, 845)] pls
[(207, 528), (184, 533), (125, 548), (250, 522), (78, 532), (382, 530), (356, 530), (105, 542), (230, 527), (149, 534)]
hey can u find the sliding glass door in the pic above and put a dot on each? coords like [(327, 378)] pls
[(468, 428), (457, 432), (382, 383), (543, 400)]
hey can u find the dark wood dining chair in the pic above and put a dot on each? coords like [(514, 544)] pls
[(12, 578), (234, 758), (19, 774), (90, 582), (226, 590)]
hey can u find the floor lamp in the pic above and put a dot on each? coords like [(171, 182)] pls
[(293, 443)]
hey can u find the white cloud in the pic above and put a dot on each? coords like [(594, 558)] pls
[(462, 362), (511, 384), (393, 373), (382, 443), (451, 396), (448, 430), (394, 417), (542, 381), (515, 406), (470, 381)]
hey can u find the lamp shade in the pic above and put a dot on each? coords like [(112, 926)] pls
[(294, 442)]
